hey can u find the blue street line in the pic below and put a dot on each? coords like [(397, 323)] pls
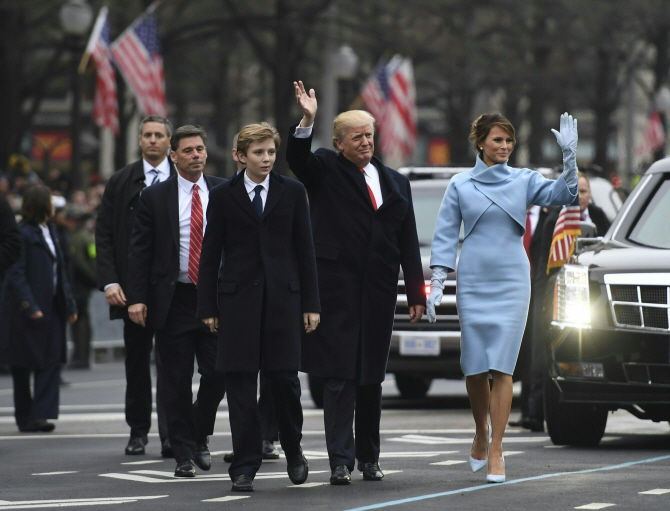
[(514, 481)]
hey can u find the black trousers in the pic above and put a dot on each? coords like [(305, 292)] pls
[(82, 333), (138, 341), (43, 404), (342, 399), (266, 409), (245, 422), (185, 340)]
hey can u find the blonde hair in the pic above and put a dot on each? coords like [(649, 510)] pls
[(255, 133), (350, 119)]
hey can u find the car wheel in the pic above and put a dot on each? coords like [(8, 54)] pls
[(316, 389), (412, 387), (572, 423)]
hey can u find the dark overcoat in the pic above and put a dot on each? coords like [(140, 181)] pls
[(153, 260), (268, 279), (10, 239), (28, 288), (114, 225), (359, 252)]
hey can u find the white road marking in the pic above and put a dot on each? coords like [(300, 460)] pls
[(555, 446), (448, 462), (56, 473), (147, 462), (155, 476), (307, 485), (657, 491), (595, 505), (227, 499), (512, 453), (387, 472), (433, 440), (33, 504), (610, 439)]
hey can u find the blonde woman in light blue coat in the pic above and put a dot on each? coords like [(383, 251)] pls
[(493, 282)]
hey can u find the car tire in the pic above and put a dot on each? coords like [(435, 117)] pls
[(316, 389), (572, 423), (412, 387)]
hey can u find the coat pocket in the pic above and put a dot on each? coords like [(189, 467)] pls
[(227, 287), (326, 252)]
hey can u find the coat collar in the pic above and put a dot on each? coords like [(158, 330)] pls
[(493, 174), (242, 197), (358, 178)]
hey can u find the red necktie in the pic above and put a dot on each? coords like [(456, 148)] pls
[(372, 195), (526, 239), (196, 236)]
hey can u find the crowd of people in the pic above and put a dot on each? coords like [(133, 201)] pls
[(264, 274)]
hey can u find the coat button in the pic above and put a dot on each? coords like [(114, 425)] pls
[(25, 305), (256, 282), (172, 283)]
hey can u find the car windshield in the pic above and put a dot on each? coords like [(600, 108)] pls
[(427, 200), (653, 227)]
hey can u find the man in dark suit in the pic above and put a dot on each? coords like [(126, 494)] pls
[(364, 230), (266, 291), (535, 219), (112, 239), (591, 212), (162, 278)]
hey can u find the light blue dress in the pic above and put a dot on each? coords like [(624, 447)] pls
[(493, 282)]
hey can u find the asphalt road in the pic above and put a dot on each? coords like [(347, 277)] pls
[(425, 446)]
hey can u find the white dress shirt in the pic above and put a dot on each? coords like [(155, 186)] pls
[(50, 243), (585, 217), (370, 171), (534, 218), (163, 169), (250, 185), (185, 196)]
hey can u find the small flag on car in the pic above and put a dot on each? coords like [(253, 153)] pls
[(565, 233)]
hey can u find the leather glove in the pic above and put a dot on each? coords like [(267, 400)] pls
[(436, 286), (567, 139)]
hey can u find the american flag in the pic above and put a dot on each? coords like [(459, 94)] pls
[(105, 106), (390, 96), (565, 233), (137, 54), (654, 134)]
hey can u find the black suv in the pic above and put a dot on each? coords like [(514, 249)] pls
[(609, 343)]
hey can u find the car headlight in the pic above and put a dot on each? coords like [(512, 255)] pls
[(571, 296)]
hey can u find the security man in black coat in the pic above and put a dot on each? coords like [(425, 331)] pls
[(112, 239), (364, 230), (162, 279)]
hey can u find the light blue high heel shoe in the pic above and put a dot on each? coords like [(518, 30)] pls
[(476, 464), (491, 478)]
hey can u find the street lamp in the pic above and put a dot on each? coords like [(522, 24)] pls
[(76, 17)]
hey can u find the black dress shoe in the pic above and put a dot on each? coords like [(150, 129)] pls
[(166, 448), (37, 425), (535, 425), (202, 456), (518, 423), (185, 469), (270, 452), (340, 475), (228, 457), (298, 468), (243, 483), (136, 445), (371, 471)]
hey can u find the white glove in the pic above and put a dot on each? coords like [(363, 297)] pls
[(567, 139), (436, 286)]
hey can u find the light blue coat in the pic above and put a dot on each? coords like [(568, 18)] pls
[(493, 282)]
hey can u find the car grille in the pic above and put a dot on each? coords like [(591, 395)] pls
[(640, 306), (656, 374)]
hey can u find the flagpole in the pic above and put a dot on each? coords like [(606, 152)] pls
[(95, 33)]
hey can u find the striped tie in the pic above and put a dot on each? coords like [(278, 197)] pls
[(196, 236), (155, 179)]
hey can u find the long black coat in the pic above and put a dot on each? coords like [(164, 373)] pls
[(114, 225), (10, 239), (153, 261), (28, 288), (359, 252), (268, 279)]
